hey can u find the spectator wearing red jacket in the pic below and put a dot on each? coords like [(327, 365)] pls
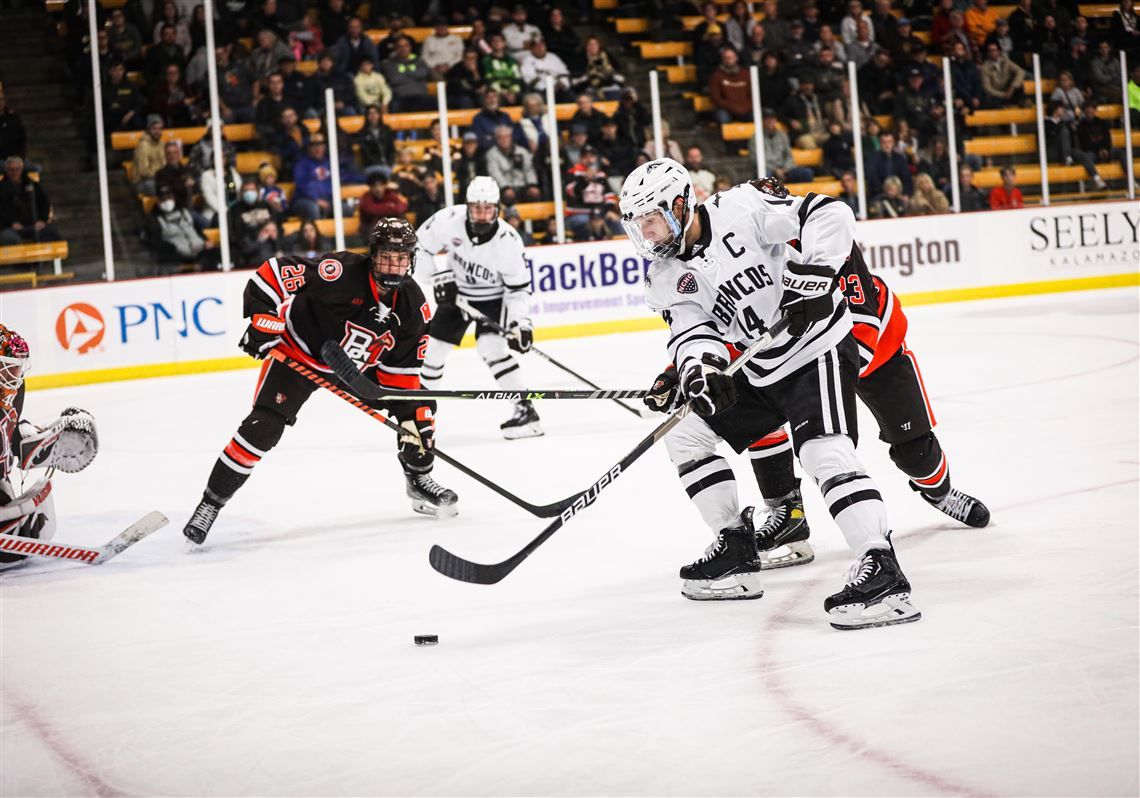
[(382, 200), (730, 89), (1007, 195)]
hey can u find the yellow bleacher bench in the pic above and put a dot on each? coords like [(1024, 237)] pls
[(829, 186), (691, 22), (1030, 174), (1002, 145), (55, 251), (535, 211), (127, 139), (1118, 139), (1091, 10), (417, 35), (680, 73), (655, 50), (630, 25)]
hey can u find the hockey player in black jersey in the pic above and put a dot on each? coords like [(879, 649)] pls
[(373, 308), (68, 444)]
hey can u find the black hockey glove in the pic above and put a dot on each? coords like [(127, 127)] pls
[(807, 295), (446, 291), (663, 395), (417, 438), (520, 337), (262, 334), (707, 386)]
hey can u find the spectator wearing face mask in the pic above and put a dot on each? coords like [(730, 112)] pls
[(171, 236), (253, 226)]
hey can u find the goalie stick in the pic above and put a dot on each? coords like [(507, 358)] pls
[(33, 547), (346, 371), (474, 313), (538, 510), (463, 570)]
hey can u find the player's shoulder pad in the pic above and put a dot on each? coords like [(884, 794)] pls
[(412, 305), (507, 232)]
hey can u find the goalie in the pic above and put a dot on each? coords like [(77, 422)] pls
[(68, 444)]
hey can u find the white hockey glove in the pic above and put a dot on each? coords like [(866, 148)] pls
[(69, 443), (807, 295), (520, 336), (707, 386)]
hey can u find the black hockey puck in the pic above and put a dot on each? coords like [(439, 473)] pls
[(426, 640)]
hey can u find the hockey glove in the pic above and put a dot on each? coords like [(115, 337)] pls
[(662, 396), (807, 296), (707, 387), (520, 337), (417, 438), (262, 334), (69, 443), (446, 292)]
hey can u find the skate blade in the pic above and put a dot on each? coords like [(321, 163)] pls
[(525, 431), (890, 611), (736, 587), (797, 553), (433, 510)]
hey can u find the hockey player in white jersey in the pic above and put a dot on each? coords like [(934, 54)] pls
[(486, 266), (68, 444), (722, 274)]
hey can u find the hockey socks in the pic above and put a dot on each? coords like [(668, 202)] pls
[(711, 485), (923, 460)]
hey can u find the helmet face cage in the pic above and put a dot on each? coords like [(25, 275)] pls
[(482, 229), (648, 202), (392, 237)]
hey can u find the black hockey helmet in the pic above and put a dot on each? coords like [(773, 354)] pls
[(392, 246)]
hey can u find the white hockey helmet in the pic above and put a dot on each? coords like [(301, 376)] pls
[(649, 211), (481, 220)]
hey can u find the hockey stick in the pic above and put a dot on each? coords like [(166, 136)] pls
[(539, 510), (33, 547), (474, 313), (463, 570), (346, 371)]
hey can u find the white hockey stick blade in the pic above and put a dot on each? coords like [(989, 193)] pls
[(31, 547)]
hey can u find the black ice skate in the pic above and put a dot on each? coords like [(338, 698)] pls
[(429, 497), (202, 518), (728, 570), (959, 506), (782, 538), (523, 424), (876, 594)]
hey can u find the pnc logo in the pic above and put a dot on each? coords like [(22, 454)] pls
[(80, 327)]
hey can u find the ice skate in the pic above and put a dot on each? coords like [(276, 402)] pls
[(877, 594), (782, 537), (959, 506), (430, 498), (728, 570), (202, 518), (523, 424)]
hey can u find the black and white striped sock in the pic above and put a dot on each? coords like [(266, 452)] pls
[(711, 485)]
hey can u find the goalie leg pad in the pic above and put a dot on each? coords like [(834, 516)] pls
[(39, 524)]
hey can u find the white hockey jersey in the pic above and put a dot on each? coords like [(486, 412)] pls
[(492, 270), (727, 287)]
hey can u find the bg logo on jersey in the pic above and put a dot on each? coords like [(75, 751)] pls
[(363, 347), (80, 327)]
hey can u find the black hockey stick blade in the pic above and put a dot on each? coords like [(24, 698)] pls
[(538, 510), (455, 567)]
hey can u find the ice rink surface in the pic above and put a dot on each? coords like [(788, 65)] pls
[(280, 661)]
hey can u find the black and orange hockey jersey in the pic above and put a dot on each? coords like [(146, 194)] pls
[(878, 321), (336, 298)]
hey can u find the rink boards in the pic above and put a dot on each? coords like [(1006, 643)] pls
[(191, 323)]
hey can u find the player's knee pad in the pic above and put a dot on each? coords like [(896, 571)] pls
[(691, 440), (436, 356), (263, 428), (39, 525), (493, 349), (829, 456), (917, 457)]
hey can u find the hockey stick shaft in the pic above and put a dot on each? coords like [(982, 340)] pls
[(541, 511), (463, 570), (474, 313), (33, 547)]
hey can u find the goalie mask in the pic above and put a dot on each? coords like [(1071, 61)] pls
[(482, 209), (14, 361), (657, 208), (392, 247)]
